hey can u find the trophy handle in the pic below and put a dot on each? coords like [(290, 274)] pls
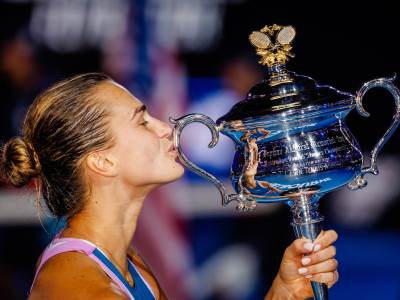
[(387, 83), (244, 202)]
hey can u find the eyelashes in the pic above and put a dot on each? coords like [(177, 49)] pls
[(142, 121)]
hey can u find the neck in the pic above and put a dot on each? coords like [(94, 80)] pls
[(108, 220)]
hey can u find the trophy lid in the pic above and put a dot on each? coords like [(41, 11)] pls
[(282, 92)]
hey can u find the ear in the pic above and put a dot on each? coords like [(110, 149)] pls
[(101, 163)]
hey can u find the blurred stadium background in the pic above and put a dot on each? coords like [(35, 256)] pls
[(182, 56)]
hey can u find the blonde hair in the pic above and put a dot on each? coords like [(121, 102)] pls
[(63, 124)]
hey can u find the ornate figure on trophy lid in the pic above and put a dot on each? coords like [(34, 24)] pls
[(292, 142)]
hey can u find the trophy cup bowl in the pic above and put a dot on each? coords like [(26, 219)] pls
[(292, 142)]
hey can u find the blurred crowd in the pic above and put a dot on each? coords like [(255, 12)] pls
[(185, 56)]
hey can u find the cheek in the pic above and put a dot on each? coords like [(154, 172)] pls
[(142, 150), (149, 148), (139, 155)]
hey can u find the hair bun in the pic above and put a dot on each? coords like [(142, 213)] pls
[(20, 162)]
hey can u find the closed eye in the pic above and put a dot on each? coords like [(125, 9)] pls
[(143, 118), (139, 119), (138, 112)]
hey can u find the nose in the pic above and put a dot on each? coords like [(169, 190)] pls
[(163, 130)]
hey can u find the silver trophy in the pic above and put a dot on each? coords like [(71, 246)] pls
[(292, 142)]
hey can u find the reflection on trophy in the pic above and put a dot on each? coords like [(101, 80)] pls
[(292, 142)]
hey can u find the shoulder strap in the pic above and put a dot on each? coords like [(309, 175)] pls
[(61, 245), (143, 288)]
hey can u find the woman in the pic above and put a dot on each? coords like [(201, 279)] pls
[(251, 164), (95, 153)]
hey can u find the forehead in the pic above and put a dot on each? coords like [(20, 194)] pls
[(119, 99)]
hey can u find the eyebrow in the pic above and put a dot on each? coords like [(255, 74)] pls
[(138, 110)]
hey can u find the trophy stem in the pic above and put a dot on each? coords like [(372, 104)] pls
[(307, 222)]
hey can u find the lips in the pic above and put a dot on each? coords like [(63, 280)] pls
[(171, 151), (171, 148)]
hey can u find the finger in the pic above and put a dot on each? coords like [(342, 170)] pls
[(325, 239), (329, 265), (336, 278), (298, 247), (319, 256), (329, 278)]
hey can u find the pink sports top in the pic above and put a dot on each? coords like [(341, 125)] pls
[(141, 290)]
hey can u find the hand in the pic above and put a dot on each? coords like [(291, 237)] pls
[(303, 261)]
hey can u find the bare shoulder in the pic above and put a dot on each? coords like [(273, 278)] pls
[(73, 275)]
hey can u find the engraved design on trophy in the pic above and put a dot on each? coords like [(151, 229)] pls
[(292, 141)]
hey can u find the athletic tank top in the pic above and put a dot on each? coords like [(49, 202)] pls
[(141, 289)]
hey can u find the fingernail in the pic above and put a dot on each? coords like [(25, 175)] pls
[(317, 247), (303, 270), (305, 261), (308, 246), (308, 276)]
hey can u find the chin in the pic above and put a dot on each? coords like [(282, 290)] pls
[(177, 172), (172, 173)]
